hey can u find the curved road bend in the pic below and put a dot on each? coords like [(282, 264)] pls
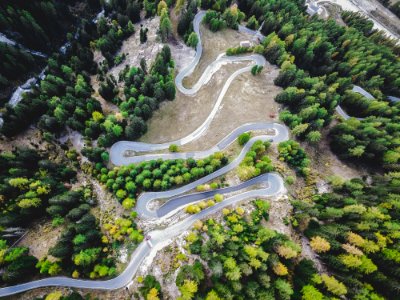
[(142, 205), (172, 205), (118, 150), (115, 152), (158, 238), (360, 90)]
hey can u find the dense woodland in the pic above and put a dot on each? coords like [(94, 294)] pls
[(36, 25), (239, 257), (356, 232), (155, 175), (28, 182), (353, 229)]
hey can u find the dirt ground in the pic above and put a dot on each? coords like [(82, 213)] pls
[(326, 163), (253, 94), (382, 14), (334, 11), (214, 43), (31, 138), (280, 209), (40, 238), (135, 51)]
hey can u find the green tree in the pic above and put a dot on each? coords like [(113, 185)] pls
[(192, 40), (165, 25)]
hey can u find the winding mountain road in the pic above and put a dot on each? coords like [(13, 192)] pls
[(271, 183), (118, 149), (142, 206)]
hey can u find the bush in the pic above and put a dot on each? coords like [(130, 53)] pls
[(173, 148), (218, 198), (291, 152), (255, 162), (244, 138), (238, 50), (192, 40), (256, 70), (290, 180)]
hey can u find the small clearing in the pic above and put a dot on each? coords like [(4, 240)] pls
[(40, 238), (327, 163)]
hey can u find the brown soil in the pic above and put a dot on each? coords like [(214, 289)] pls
[(382, 14), (135, 51), (253, 94), (326, 163), (334, 12), (178, 118), (108, 207), (40, 238), (30, 138), (280, 209), (249, 99), (214, 43)]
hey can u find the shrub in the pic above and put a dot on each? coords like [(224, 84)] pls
[(218, 198), (290, 180), (173, 148), (244, 138)]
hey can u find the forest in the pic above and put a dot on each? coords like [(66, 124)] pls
[(35, 25), (356, 231), (320, 61)]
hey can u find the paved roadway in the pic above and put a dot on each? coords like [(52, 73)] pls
[(158, 239), (142, 206), (360, 90), (272, 183), (118, 149)]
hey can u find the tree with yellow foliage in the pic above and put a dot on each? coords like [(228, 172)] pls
[(54, 296), (280, 269), (161, 5), (212, 295), (165, 24), (333, 285), (288, 250), (319, 244), (355, 239), (352, 249), (311, 293), (188, 289), (153, 295)]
